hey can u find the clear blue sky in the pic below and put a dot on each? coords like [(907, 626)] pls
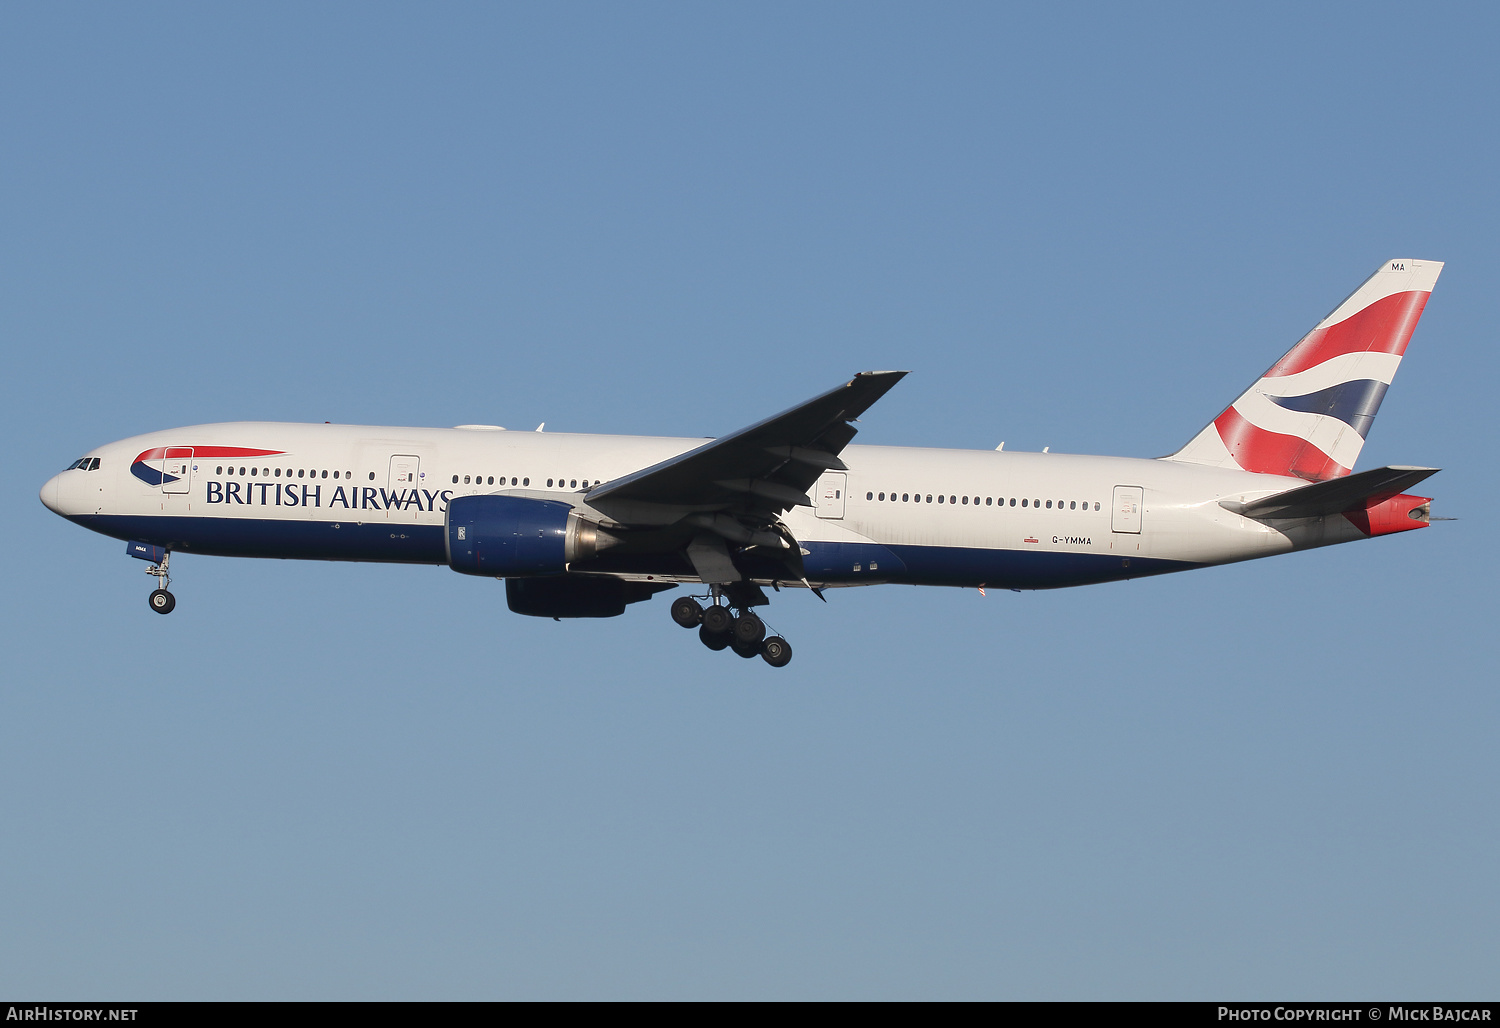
[(1083, 227)]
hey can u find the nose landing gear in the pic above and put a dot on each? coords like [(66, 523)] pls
[(719, 629), (160, 600)]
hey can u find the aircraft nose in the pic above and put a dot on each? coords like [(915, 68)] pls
[(49, 495)]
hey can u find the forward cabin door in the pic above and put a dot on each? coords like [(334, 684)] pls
[(406, 473), (177, 469), (829, 494), (1129, 501)]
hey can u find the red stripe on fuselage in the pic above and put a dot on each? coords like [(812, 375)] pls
[(207, 451), (1271, 453), (1383, 327)]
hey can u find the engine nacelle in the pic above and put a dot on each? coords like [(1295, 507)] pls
[(576, 596), (510, 536)]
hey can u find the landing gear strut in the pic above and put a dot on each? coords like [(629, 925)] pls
[(160, 600), (719, 628)]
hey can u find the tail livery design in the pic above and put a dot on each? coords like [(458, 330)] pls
[(1309, 414)]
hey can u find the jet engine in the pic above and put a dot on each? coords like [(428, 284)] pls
[(577, 596), (512, 536)]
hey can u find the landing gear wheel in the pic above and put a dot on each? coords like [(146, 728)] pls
[(162, 601), (687, 612), (713, 640), (716, 620), (749, 630), (776, 651), (746, 650)]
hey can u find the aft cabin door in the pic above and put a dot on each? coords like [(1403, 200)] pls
[(406, 472), (177, 469), (830, 494), (1129, 501)]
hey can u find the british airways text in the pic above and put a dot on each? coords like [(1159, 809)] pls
[(277, 494)]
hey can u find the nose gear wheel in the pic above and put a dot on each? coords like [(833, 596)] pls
[(160, 600)]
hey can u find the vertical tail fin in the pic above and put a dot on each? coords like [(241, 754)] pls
[(1308, 416)]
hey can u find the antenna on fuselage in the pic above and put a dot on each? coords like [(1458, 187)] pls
[(541, 426), (1001, 446)]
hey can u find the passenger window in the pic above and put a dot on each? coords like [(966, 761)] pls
[(466, 480), (1012, 501), (335, 474), (325, 472), (904, 497), (572, 483), (1096, 506), (1049, 504), (966, 499), (989, 501), (929, 497), (871, 496), (940, 499), (219, 470), (525, 481), (1023, 502)]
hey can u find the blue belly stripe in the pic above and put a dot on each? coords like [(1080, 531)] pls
[(834, 563), (378, 541)]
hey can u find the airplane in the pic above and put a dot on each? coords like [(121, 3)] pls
[(581, 526)]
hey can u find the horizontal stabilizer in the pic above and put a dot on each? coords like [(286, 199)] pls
[(1335, 496)]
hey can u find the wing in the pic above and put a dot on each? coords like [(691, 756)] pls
[(1354, 492), (761, 470)]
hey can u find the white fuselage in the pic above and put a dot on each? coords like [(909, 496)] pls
[(935, 516)]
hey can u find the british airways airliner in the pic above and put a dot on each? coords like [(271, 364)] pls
[(583, 525)]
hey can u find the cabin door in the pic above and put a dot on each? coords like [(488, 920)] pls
[(177, 469), (829, 494), (406, 473), (1129, 502)]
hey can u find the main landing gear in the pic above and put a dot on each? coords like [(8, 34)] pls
[(719, 628), (160, 600)]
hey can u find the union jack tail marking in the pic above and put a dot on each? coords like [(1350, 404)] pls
[(1309, 414)]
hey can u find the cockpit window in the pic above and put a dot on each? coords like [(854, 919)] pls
[(94, 464), (84, 464)]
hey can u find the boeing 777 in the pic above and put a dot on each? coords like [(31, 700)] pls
[(584, 525)]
